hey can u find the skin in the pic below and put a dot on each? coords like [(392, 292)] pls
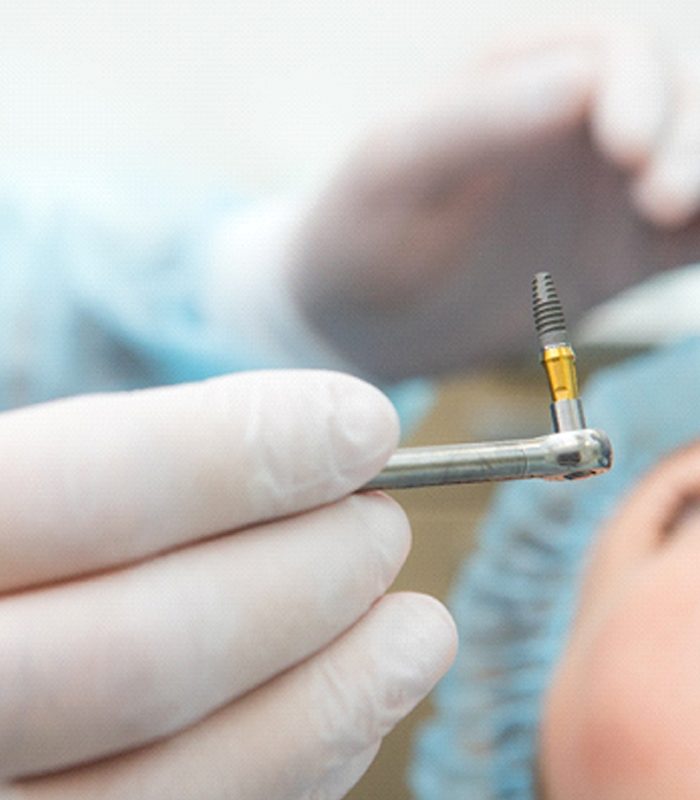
[(622, 717)]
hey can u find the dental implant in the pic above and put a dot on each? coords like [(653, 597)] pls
[(570, 453), (556, 355)]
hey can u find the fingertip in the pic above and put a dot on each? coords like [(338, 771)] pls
[(368, 422), (668, 196), (364, 683), (390, 530), (625, 145), (383, 667), (424, 633), (632, 102), (544, 89), (309, 437), (626, 137)]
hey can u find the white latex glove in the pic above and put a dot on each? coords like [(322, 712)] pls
[(579, 155), (189, 610)]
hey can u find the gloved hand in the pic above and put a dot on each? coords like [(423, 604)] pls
[(579, 155), (191, 606)]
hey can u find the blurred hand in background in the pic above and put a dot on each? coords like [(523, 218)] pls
[(577, 154)]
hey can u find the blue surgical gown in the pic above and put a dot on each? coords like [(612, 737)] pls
[(101, 286)]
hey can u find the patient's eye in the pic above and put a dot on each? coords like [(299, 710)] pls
[(684, 517)]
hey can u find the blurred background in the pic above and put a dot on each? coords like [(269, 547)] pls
[(267, 94), (267, 97)]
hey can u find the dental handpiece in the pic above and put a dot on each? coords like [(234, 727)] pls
[(571, 452)]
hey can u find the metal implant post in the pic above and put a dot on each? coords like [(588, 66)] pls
[(557, 355), (571, 452), (547, 310)]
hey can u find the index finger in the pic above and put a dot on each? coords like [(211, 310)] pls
[(98, 481)]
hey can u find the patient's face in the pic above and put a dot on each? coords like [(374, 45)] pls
[(622, 720)]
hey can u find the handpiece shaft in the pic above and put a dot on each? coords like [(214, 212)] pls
[(567, 455)]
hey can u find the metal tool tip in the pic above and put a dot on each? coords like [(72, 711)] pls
[(548, 312)]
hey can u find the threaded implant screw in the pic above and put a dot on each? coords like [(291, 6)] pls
[(548, 312)]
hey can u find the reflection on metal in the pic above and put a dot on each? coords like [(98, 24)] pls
[(567, 455)]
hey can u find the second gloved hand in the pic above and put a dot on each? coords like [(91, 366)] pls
[(191, 606), (579, 155)]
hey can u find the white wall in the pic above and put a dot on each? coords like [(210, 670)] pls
[(265, 93)]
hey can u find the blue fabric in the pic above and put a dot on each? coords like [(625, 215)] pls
[(101, 293), (514, 600), (100, 289)]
